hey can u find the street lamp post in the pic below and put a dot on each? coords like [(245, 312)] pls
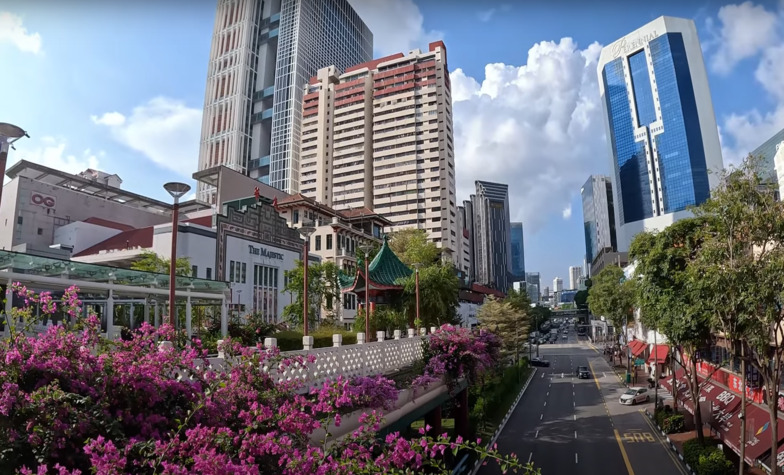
[(176, 190), (366, 248), (9, 134), (306, 231), (417, 265)]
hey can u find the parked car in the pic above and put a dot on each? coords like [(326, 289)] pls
[(536, 361), (634, 395), (583, 372)]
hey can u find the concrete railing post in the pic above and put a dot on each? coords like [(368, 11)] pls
[(221, 353), (165, 345), (270, 343), (423, 331), (361, 338), (380, 336), (411, 332), (397, 334), (307, 343), (433, 330), (337, 340)]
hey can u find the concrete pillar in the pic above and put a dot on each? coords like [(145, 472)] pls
[(188, 315), (433, 330), (147, 312), (411, 332), (361, 338), (423, 331), (379, 336), (433, 419), (224, 317), (132, 318), (307, 342), (221, 353), (270, 343), (337, 340), (110, 315), (157, 315), (462, 426), (9, 296), (397, 334)]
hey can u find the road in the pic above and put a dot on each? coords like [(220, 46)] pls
[(568, 425)]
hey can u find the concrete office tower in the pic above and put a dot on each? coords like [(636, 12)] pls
[(262, 55), (517, 257), (464, 243), (663, 139), (771, 160), (379, 135), (575, 275), (492, 235), (557, 284), (598, 218), (533, 279)]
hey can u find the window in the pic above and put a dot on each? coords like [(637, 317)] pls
[(231, 271), (40, 231), (265, 292), (295, 216), (19, 220), (318, 243), (209, 273), (244, 272), (329, 242), (194, 271)]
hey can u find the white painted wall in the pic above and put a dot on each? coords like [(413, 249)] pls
[(199, 249), (81, 235), (467, 312)]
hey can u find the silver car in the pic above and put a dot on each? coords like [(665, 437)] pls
[(634, 395)]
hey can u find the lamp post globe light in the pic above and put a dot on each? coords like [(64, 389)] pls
[(366, 248), (176, 190), (305, 231), (9, 134)]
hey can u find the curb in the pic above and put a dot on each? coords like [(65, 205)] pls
[(671, 444), (478, 463)]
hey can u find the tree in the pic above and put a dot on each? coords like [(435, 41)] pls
[(413, 247), (581, 299), (323, 292), (612, 297), (438, 295), (668, 302), (152, 262), (741, 270), (539, 314), (503, 319), (384, 318)]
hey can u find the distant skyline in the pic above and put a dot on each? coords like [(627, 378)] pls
[(119, 86)]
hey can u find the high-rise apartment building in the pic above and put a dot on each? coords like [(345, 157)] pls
[(557, 284), (262, 55), (492, 235), (659, 119), (598, 218), (575, 276), (379, 135), (517, 256)]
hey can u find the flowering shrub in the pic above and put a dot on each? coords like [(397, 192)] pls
[(74, 403)]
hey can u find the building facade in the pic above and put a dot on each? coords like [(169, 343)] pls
[(464, 243), (492, 235), (262, 54), (379, 136), (517, 247), (598, 218), (557, 284), (575, 277), (663, 138), (467, 213), (770, 156)]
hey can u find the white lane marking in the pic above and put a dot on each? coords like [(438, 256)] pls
[(574, 404), (575, 417), (562, 375), (542, 375), (537, 435), (530, 456), (604, 375), (541, 416), (575, 434), (575, 457), (545, 403)]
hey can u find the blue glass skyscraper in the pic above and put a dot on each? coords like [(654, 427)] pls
[(660, 125), (518, 253)]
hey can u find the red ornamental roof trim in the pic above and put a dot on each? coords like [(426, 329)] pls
[(373, 285)]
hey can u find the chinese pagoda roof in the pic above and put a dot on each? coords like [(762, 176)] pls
[(386, 272)]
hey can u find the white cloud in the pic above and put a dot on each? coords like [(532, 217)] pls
[(51, 152), (397, 25), (757, 33), (486, 15), (537, 127), (746, 29), (12, 30), (567, 212), (165, 130)]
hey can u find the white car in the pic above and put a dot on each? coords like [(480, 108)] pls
[(634, 395)]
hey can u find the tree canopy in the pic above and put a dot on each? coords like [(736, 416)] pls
[(323, 292), (438, 295), (413, 247), (152, 262), (507, 321), (612, 296)]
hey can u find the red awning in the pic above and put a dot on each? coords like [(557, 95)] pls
[(637, 347), (659, 353), (758, 432), (683, 394)]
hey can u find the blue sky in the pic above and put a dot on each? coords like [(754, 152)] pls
[(120, 86)]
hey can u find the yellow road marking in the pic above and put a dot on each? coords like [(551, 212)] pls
[(664, 446), (623, 453), (594, 377)]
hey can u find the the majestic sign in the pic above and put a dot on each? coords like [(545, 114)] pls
[(42, 200), (629, 44), (260, 251)]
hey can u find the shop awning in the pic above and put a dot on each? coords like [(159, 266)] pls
[(758, 432), (637, 347), (659, 354), (683, 395)]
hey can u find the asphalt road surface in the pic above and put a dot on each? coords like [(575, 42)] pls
[(566, 425)]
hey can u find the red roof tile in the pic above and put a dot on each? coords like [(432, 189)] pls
[(141, 237)]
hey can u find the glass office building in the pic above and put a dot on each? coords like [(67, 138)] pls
[(518, 253), (598, 217), (660, 125), (492, 235)]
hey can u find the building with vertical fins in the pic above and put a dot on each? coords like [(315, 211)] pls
[(379, 135), (262, 55), (492, 235), (660, 124), (517, 256)]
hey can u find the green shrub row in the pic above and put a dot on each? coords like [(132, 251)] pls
[(669, 421), (706, 459), (490, 400), (292, 340)]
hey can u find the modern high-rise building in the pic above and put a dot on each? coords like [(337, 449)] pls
[(659, 119), (465, 247), (533, 280), (770, 156), (492, 235), (557, 284), (598, 216), (517, 257), (575, 275), (379, 135), (262, 55)]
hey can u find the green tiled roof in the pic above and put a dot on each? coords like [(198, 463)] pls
[(385, 269), (345, 279)]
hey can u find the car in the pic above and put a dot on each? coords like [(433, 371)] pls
[(536, 361), (583, 372), (634, 395)]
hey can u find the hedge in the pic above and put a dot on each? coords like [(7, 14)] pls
[(292, 340), (706, 459), (669, 421)]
